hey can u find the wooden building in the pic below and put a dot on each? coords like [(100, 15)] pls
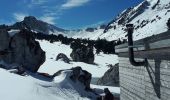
[(150, 81)]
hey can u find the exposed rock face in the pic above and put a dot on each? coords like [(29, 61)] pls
[(81, 75), (111, 77), (4, 40), (82, 53), (32, 23), (102, 26), (78, 74), (168, 24), (63, 57), (91, 29), (21, 49)]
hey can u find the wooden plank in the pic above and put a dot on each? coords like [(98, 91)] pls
[(150, 43), (163, 54)]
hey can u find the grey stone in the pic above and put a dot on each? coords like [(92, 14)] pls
[(4, 40), (22, 49), (78, 75), (83, 54), (111, 76), (63, 57)]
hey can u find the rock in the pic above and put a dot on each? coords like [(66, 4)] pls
[(91, 29), (57, 73), (75, 73), (21, 49), (78, 75), (63, 57), (4, 40), (111, 76), (18, 70), (83, 54), (81, 75), (30, 22), (87, 79), (102, 26)]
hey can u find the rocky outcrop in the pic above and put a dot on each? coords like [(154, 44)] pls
[(31, 23), (91, 29), (78, 74), (63, 57), (4, 40), (21, 50), (82, 53), (111, 77), (102, 26), (81, 75), (168, 24)]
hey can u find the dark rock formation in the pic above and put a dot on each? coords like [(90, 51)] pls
[(84, 78), (128, 15), (4, 41), (111, 77), (168, 24), (18, 70), (102, 26), (82, 53), (63, 57), (21, 49), (75, 73), (78, 74), (32, 23), (90, 29)]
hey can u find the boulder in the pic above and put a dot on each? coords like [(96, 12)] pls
[(78, 75), (83, 54), (82, 76), (86, 79), (63, 57), (4, 40), (75, 73), (18, 70), (111, 76), (21, 49)]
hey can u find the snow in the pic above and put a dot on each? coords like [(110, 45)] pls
[(36, 87), (13, 32), (51, 65), (112, 89), (152, 28), (29, 88)]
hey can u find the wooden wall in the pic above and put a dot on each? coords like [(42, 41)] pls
[(151, 82)]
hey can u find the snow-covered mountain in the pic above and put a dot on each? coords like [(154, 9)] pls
[(149, 18), (36, 25)]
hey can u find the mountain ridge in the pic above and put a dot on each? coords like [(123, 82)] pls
[(149, 18)]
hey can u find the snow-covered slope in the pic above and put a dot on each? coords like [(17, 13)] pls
[(37, 87), (51, 65), (85, 34), (14, 87), (149, 18)]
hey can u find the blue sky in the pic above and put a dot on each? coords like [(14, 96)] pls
[(68, 14)]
